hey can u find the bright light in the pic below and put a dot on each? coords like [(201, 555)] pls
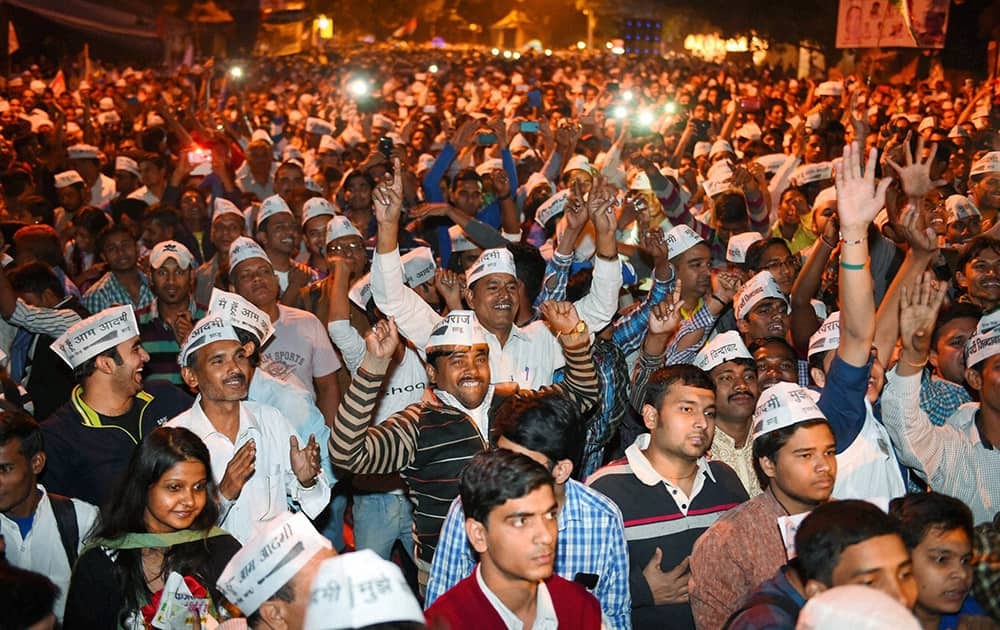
[(433, 69), (620, 112), (323, 23), (548, 52), (618, 50), (495, 51), (236, 72), (507, 54), (646, 118), (358, 87), (627, 95), (516, 55), (581, 45), (609, 45), (670, 108)]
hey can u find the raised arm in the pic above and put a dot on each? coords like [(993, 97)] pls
[(581, 384)]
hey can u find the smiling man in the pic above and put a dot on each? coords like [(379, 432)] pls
[(256, 458), (669, 493), (511, 523), (977, 271), (106, 354), (124, 283)]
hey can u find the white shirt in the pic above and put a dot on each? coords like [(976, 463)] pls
[(545, 611), (264, 495), (952, 458), (868, 467), (103, 190), (144, 194), (301, 349), (42, 551), (531, 355)]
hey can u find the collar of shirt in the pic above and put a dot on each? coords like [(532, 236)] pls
[(645, 473), (545, 612), (697, 307), (725, 442), (248, 424), (480, 415), (572, 508), (154, 308)]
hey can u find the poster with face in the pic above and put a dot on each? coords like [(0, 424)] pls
[(892, 23)]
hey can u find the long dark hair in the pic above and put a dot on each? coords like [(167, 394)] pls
[(158, 452)]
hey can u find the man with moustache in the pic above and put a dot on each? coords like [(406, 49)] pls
[(256, 458), (669, 493)]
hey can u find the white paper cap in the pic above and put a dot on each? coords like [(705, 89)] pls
[(458, 328), (241, 313), (418, 266), (244, 248), (261, 134), (67, 178), (926, 123), (127, 164), (106, 104), (224, 206), (782, 405), (213, 327), (736, 249), (538, 179), (316, 207), (856, 607), (760, 287), (328, 144), (361, 291), (519, 143), (578, 162), (338, 227), (460, 240), (958, 131), (269, 560), (165, 250), (497, 260), (552, 207), (425, 162), (721, 171), (826, 196), (808, 173), (830, 88), (680, 239), (82, 152), (490, 165), (727, 346), (985, 342), (960, 207), (749, 131), (720, 146), (271, 206), (989, 163), (357, 590), (640, 182), (90, 337), (827, 337), (318, 126), (701, 148), (381, 121), (772, 162)]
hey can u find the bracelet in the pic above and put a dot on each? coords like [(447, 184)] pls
[(852, 267), (504, 198), (912, 364), (854, 242), (719, 300), (827, 243)]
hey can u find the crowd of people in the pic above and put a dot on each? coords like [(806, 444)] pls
[(425, 338)]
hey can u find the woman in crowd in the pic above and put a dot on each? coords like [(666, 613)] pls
[(161, 521)]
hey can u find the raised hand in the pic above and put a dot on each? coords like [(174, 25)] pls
[(501, 182), (920, 239), (601, 205), (388, 196), (725, 285), (305, 461), (429, 210), (916, 176), (561, 316), (576, 216), (465, 134), (239, 470), (497, 126), (654, 243), (451, 286), (665, 316), (918, 310), (382, 340), (858, 198)]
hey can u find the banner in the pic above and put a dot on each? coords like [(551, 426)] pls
[(892, 23), (276, 40)]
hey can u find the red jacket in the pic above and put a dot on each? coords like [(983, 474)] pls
[(465, 606)]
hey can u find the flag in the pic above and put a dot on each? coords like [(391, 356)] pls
[(12, 43), (86, 62), (58, 84), (406, 29)]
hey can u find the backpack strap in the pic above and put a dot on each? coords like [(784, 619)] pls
[(69, 530)]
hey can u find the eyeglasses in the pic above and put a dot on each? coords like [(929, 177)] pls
[(345, 248), (790, 263)]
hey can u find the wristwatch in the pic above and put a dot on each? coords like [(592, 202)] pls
[(581, 327)]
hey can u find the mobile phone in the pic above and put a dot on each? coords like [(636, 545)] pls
[(430, 109), (529, 126), (199, 156), (750, 104), (385, 147), (485, 139), (702, 126), (612, 86)]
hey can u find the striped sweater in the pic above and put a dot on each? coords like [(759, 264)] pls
[(430, 446)]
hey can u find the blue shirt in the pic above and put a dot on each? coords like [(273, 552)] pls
[(591, 540), (767, 613)]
